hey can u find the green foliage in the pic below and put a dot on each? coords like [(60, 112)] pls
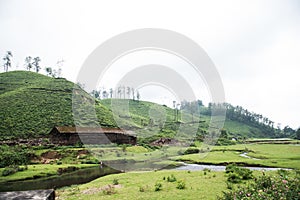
[(13, 169), (237, 174), (268, 188), (225, 142), (234, 178), (58, 162), (171, 178), (207, 170), (8, 171), (31, 104), (115, 182), (191, 150), (14, 155), (157, 186), (180, 185)]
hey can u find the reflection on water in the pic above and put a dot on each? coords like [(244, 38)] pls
[(57, 181)]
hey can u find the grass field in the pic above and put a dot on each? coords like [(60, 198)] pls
[(270, 155), (141, 185)]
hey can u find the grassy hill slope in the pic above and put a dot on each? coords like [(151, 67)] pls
[(31, 104)]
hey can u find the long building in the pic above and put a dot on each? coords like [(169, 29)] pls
[(66, 135)]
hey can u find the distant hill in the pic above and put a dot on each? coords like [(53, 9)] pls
[(31, 104)]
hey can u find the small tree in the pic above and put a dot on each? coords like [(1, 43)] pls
[(36, 64), (138, 96), (28, 63), (132, 91), (104, 94), (48, 71), (111, 92), (128, 92), (7, 60)]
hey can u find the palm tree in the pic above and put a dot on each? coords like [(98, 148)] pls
[(7, 60), (28, 62), (35, 63)]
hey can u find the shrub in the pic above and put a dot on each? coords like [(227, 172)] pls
[(13, 169), (207, 170), (8, 171), (230, 168), (229, 186), (283, 173), (115, 182), (191, 151), (141, 189), (267, 188), (171, 178), (180, 185), (234, 178), (157, 187), (14, 155), (236, 174), (58, 162), (225, 142)]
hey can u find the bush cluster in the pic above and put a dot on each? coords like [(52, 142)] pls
[(171, 178), (237, 174), (191, 150), (157, 187), (180, 185), (14, 155), (13, 169), (115, 181), (267, 188)]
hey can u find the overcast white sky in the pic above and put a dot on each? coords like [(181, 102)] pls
[(254, 44)]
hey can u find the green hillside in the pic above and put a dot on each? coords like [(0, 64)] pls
[(31, 104), (151, 121)]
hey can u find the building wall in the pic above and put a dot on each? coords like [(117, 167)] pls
[(90, 138)]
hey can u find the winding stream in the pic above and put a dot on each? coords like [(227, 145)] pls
[(77, 177), (246, 156), (197, 167)]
